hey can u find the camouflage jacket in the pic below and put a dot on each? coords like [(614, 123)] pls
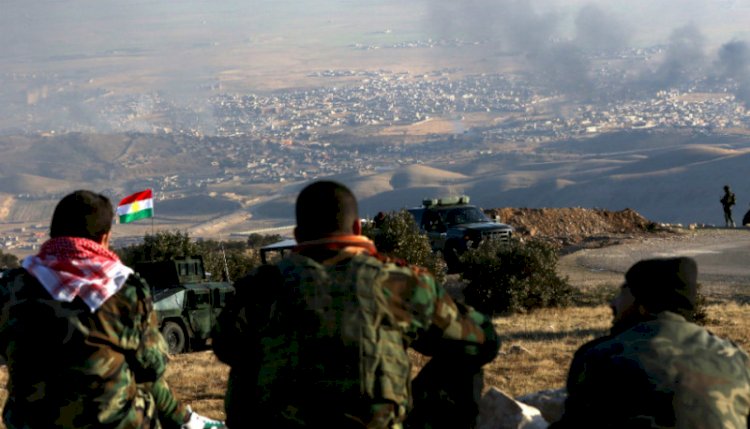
[(728, 200), (71, 368), (325, 336), (661, 373)]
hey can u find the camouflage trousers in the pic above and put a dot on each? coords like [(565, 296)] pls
[(142, 415)]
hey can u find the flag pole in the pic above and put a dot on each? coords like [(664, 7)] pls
[(153, 214), (226, 267)]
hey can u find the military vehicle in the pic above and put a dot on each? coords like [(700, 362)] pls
[(185, 300), (273, 252), (453, 226)]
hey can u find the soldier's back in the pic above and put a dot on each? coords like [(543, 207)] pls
[(333, 351), (668, 372)]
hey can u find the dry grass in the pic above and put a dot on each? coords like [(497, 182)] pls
[(200, 380), (537, 349)]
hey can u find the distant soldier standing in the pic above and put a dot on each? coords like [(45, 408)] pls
[(727, 201)]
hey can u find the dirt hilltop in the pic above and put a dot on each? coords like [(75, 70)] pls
[(576, 227)]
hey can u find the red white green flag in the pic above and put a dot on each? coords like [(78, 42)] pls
[(137, 206)]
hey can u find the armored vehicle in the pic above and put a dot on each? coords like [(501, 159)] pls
[(185, 301), (453, 226)]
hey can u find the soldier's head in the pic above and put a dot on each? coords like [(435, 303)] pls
[(325, 209), (726, 187), (83, 214), (656, 285)]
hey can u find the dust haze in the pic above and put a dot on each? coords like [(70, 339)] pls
[(65, 60), (560, 41)]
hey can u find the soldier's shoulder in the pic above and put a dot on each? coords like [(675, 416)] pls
[(136, 284), (14, 278), (135, 290), (136, 280), (398, 264)]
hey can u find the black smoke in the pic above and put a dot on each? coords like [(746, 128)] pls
[(683, 61), (597, 31), (565, 50), (733, 64)]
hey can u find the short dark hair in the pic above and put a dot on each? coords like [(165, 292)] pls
[(82, 214), (325, 208)]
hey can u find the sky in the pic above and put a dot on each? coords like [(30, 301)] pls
[(88, 47)]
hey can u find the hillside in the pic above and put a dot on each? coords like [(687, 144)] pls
[(669, 177)]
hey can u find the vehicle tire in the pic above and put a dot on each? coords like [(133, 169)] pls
[(174, 335)]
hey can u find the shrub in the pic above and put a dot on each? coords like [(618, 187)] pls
[(398, 236), (221, 258), (227, 260), (256, 241), (163, 245), (699, 313), (8, 260), (514, 277)]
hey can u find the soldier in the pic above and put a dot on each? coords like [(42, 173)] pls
[(79, 334), (727, 201), (321, 338), (656, 369)]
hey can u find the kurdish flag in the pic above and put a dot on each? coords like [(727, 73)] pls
[(137, 206)]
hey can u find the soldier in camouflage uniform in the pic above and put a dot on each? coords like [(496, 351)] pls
[(321, 339), (79, 334), (728, 200), (656, 369)]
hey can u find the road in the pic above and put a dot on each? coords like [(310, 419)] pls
[(723, 257)]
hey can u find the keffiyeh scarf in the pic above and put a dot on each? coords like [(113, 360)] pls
[(71, 266)]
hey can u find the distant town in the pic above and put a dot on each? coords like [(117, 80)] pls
[(376, 120), (299, 134)]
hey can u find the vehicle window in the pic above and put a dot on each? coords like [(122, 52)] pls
[(432, 222), (199, 298), (465, 215)]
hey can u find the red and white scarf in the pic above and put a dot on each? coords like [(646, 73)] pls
[(71, 266)]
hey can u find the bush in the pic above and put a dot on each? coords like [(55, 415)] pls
[(8, 260), (398, 236), (163, 245), (227, 260), (256, 241), (514, 277), (221, 258), (699, 313)]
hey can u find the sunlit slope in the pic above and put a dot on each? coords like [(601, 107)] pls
[(34, 185), (680, 185), (101, 160)]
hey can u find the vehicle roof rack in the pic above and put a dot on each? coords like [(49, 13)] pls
[(446, 201)]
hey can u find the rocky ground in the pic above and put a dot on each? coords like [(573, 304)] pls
[(575, 228)]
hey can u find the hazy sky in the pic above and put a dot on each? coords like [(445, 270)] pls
[(177, 46), (38, 28)]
